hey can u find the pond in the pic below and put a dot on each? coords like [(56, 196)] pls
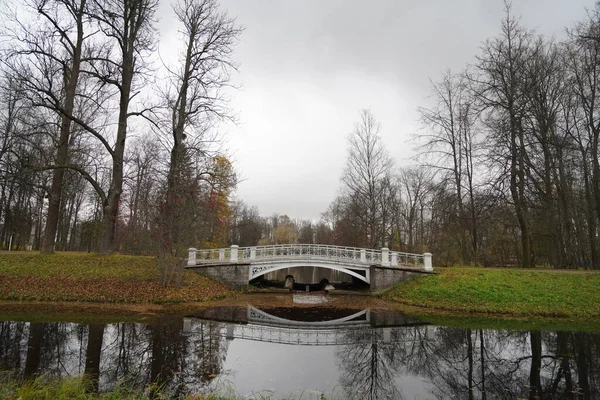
[(307, 347)]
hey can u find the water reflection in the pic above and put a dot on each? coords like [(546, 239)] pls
[(349, 353)]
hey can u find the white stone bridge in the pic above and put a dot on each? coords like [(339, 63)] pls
[(236, 266)]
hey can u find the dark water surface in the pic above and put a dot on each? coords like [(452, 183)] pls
[(304, 350)]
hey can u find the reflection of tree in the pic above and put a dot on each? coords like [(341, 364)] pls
[(368, 367), (126, 355), (463, 363), (474, 364), (177, 362), (34, 349), (459, 363), (92, 355), (183, 363), (213, 349), (10, 345), (168, 351)]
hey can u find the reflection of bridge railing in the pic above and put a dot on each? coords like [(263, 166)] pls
[(260, 317), (309, 252), (312, 336)]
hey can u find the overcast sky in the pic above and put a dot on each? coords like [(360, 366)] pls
[(309, 66)]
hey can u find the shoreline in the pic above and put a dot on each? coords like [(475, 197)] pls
[(127, 286)]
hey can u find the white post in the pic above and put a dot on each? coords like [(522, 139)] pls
[(430, 332), (394, 259), (187, 325), (387, 335), (427, 261), (230, 330), (252, 253), (363, 256), (191, 256), (234, 253), (385, 257), (221, 254)]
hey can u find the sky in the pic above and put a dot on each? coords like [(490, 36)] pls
[(307, 67)]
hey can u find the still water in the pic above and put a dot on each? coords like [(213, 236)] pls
[(306, 349)]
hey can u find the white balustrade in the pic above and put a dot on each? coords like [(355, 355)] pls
[(385, 257), (428, 262), (317, 252), (191, 256)]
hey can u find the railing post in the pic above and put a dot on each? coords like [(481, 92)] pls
[(221, 254), (252, 253), (430, 332), (191, 256), (427, 261), (234, 253), (363, 256), (385, 257), (394, 259)]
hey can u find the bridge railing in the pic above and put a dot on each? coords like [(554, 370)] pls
[(353, 255)]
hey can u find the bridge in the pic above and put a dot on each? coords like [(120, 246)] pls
[(236, 266)]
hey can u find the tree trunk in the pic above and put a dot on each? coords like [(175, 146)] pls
[(62, 154), (111, 205), (92, 356)]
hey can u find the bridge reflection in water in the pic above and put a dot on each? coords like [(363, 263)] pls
[(354, 328)]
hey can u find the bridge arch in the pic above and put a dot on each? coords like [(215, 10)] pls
[(260, 269), (256, 315)]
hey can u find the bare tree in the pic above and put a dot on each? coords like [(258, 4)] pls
[(129, 26), (584, 68), (367, 171), (47, 59), (449, 146), (196, 95), (501, 86)]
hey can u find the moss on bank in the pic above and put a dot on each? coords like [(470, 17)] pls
[(504, 291), (95, 278)]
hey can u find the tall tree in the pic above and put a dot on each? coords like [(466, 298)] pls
[(129, 26), (196, 98), (449, 147), (363, 183), (501, 85), (47, 59), (584, 67)]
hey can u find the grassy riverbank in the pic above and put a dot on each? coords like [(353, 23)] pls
[(566, 294), (76, 388), (95, 278)]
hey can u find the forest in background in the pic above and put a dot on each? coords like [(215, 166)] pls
[(103, 148)]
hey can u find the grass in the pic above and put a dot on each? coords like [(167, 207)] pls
[(76, 388), (504, 291), (95, 278)]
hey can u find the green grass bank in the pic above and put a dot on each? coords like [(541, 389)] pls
[(94, 278), (77, 388), (547, 293)]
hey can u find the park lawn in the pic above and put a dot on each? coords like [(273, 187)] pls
[(567, 294), (95, 278)]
